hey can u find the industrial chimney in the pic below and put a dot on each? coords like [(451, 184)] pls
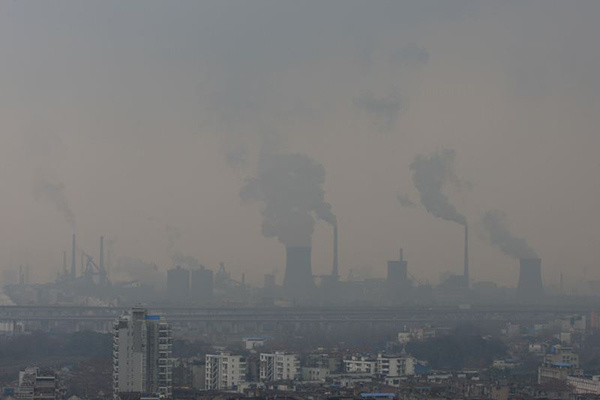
[(65, 263), (530, 279), (73, 261), (298, 283), (101, 259), (335, 272), (466, 273)]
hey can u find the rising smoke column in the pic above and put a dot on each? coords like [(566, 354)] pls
[(430, 175), (47, 152), (291, 188), (499, 235), (53, 192)]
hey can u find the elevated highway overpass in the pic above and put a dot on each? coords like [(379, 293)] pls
[(273, 319)]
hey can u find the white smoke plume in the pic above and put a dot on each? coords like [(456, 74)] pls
[(291, 189), (500, 236), (431, 174)]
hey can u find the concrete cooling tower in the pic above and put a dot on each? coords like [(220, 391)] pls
[(298, 283), (530, 279)]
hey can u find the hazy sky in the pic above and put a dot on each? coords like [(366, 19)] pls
[(144, 120)]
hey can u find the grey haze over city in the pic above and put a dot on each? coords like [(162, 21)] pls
[(219, 131)]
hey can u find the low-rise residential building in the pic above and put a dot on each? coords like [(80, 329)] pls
[(562, 355), (384, 365), (34, 385), (556, 372), (420, 333), (224, 371), (390, 365), (254, 342), (279, 366), (331, 362), (360, 365), (584, 385), (315, 374), (505, 363)]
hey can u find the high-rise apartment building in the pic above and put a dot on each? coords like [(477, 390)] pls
[(141, 356)]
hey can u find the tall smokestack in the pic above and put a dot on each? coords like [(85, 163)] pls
[(530, 279), (101, 259), (73, 261), (466, 255), (65, 262), (298, 283), (335, 271)]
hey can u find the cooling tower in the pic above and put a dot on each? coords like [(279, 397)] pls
[(298, 282), (530, 279), (397, 276)]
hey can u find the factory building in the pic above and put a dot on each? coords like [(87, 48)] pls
[(279, 366), (201, 285), (224, 371), (141, 356), (178, 285)]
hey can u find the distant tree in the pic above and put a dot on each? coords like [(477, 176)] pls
[(188, 348), (36, 344), (90, 378), (464, 347), (89, 344)]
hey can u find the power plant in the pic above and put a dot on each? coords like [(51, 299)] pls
[(298, 283), (530, 286), (191, 284)]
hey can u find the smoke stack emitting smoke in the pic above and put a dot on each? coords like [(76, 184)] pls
[(500, 236), (430, 175), (291, 188), (54, 192)]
